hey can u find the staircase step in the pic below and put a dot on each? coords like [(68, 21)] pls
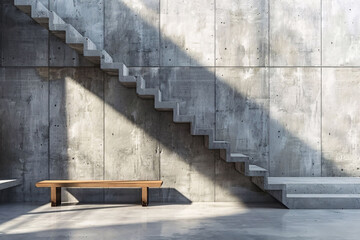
[(238, 157), (318, 192), (323, 201), (128, 81), (318, 185), (9, 183), (111, 68), (256, 168), (312, 180), (218, 145), (165, 106), (323, 195), (250, 169)]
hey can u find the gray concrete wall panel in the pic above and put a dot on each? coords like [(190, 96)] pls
[(24, 130), (24, 42), (341, 33), (340, 122), (132, 31), (131, 138), (76, 128), (242, 33), (295, 125), (187, 33), (295, 32)]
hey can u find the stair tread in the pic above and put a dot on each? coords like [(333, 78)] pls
[(238, 155), (256, 168), (313, 180), (324, 195)]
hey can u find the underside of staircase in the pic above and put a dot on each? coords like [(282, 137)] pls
[(293, 192)]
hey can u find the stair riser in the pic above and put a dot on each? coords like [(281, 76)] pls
[(25, 9), (323, 203), (322, 188), (59, 34), (94, 59), (77, 47)]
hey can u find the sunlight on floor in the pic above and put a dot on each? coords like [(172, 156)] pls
[(195, 221)]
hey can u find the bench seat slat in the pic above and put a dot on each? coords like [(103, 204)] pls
[(98, 184)]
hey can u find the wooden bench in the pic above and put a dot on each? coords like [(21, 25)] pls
[(56, 186)]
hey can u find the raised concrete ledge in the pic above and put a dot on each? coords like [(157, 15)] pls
[(9, 183), (313, 180)]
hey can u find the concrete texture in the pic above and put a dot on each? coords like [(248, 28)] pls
[(76, 127), (295, 32), (242, 116), (61, 55), (340, 122), (132, 31), (131, 146), (195, 88), (4, 184), (242, 33), (341, 34), (87, 17), (98, 129), (24, 130), (20, 35), (187, 33), (317, 192), (295, 128), (196, 221)]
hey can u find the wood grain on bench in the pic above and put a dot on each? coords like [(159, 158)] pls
[(56, 186)]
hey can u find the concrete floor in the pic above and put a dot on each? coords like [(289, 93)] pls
[(196, 221)]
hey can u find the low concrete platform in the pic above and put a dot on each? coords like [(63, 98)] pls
[(318, 192), (195, 221), (9, 183)]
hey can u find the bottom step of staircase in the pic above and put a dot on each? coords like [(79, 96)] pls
[(9, 183), (317, 192), (323, 201)]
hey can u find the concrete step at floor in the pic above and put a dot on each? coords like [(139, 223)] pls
[(317, 192), (322, 201), (8, 183), (318, 185)]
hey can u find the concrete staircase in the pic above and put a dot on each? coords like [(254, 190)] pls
[(292, 192)]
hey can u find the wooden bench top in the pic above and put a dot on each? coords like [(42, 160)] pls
[(98, 184)]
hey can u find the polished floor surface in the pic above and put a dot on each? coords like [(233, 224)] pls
[(195, 221)]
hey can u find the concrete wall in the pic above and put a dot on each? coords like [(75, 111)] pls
[(277, 78), (62, 118)]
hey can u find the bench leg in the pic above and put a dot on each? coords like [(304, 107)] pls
[(145, 196), (55, 196)]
